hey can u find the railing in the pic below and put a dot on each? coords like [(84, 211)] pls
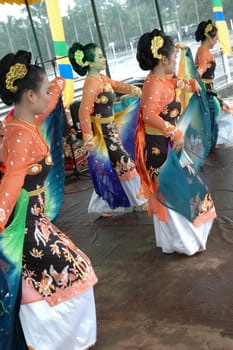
[(125, 67)]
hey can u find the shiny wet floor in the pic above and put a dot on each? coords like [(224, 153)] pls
[(147, 300)]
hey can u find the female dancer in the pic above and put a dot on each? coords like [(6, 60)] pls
[(205, 62), (157, 133), (57, 306), (113, 172)]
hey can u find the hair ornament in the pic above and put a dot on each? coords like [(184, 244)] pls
[(208, 29), (156, 44), (17, 71), (78, 55)]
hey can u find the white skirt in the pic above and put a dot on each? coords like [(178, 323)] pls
[(70, 325), (131, 188), (179, 235), (225, 129)]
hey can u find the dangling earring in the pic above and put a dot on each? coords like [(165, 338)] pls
[(33, 101)]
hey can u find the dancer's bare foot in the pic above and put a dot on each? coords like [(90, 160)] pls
[(144, 206), (106, 215), (200, 250)]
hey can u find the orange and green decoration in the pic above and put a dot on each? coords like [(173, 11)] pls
[(61, 50), (220, 22)]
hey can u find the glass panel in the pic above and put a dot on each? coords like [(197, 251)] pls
[(121, 23)]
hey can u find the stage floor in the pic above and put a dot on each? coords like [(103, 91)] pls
[(147, 300)]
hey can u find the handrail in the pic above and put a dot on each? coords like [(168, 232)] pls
[(220, 83)]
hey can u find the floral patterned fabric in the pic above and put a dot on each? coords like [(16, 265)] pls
[(160, 108), (109, 162), (52, 264), (97, 103)]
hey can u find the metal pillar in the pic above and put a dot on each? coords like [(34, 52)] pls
[(34, 33), (100, 35), (159, 15)]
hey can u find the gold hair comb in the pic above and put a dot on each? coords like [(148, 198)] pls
[(208, 29), (17, 71), (78, 55), (156, 44)]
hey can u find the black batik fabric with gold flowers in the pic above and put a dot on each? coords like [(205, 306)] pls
[(50, 259), (103, 106), (157, 146), (119, 157)]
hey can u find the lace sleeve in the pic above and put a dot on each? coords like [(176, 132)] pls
[(91, 89), (19, 149), (55, 89)]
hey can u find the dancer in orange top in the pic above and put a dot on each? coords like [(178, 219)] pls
[(113, 172), (206, 64), (57, 277), (157, 134)]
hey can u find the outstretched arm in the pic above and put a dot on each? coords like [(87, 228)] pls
[(124, 88), (56, 87)]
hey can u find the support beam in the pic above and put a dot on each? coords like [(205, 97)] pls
[(34, 33), (159, 15), (100, 35)]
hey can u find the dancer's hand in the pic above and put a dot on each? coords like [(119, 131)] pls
[(89, 146), (197, 88), (181, 46), (225, 106), (178, 145), (58, 81), (61, 83), (89, 143), (136, 91)]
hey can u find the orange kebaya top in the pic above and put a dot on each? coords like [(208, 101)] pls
[(92, 88), (157, 94), (22, 146), (205, 63)]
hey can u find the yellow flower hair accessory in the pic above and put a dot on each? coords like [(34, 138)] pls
[(17, 71), (208, 29), (156, 44), (78, 55)]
